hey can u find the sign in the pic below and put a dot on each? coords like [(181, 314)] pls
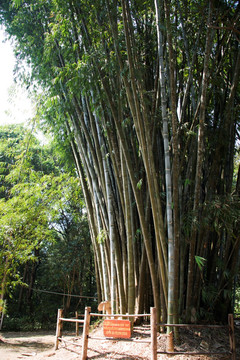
[(117, 328)]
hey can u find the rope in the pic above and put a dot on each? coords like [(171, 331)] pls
[(71, 295)]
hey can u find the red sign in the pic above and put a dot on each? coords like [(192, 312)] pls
[(117, 328)]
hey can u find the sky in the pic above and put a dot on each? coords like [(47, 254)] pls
[(15, 107)]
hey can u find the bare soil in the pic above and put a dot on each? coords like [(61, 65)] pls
[(40, 345)]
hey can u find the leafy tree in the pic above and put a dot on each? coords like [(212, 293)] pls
[(42, 208)]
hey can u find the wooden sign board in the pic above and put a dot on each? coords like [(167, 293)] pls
[(117, 328)]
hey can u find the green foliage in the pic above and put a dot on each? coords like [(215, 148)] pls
[(200, 261), (102, 236), (223, 213), (237, 302), (209, 295), (23, 323), (139, 184), (43, 210), (17, 3)]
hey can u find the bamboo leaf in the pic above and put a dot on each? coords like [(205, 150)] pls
[(200, 262)]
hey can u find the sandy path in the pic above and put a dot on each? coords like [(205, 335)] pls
[(26, 345), (40, 346)]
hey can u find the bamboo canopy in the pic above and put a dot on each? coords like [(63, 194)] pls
[(145, 94)]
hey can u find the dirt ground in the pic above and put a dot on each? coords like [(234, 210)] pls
[(40, 345)]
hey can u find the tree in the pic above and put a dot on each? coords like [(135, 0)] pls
[(41, 209)]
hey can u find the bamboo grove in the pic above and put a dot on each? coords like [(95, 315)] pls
[(146, 94)]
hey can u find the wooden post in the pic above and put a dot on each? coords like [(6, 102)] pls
[(59, 328), (153, 333), (232, 336), (77, 324), (86, 332)]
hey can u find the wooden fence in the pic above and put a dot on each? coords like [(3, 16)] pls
[(153, 336)]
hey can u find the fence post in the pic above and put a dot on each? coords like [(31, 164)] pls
[(86, 332), (232, 336), (59, 328), (77, 324), (153, 333)]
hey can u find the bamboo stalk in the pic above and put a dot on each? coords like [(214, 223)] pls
[(170, 344), (232, 336), (1, 321)]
